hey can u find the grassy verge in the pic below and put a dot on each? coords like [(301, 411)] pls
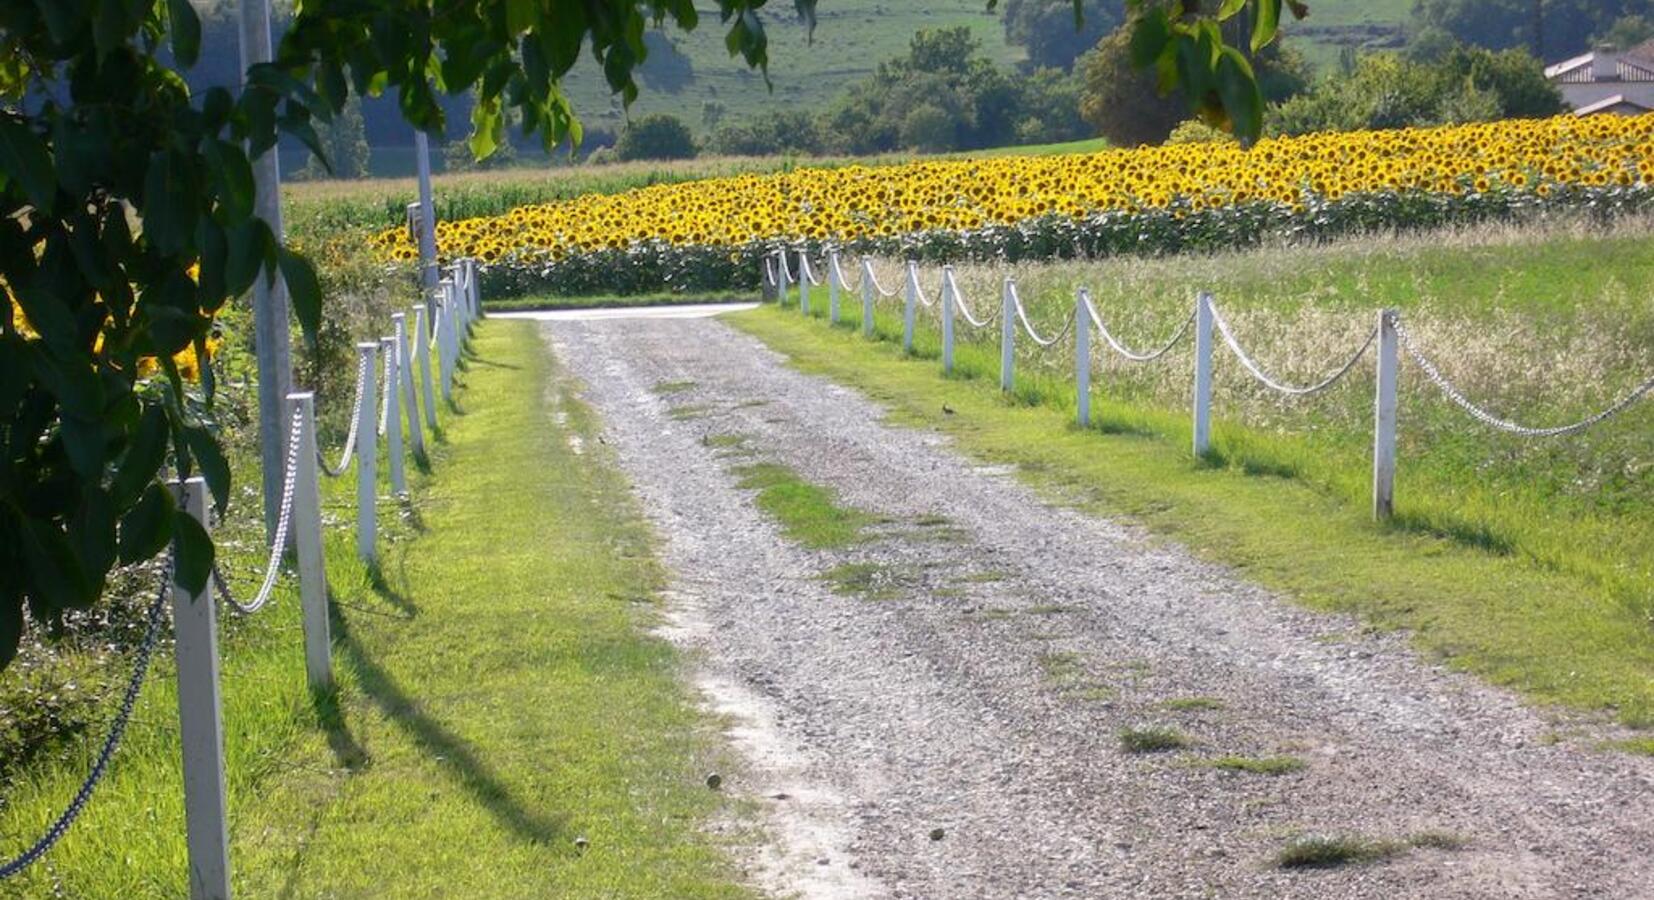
[(502, 728), (1554, 634)]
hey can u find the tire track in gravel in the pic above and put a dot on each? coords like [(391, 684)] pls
[(981, 687)]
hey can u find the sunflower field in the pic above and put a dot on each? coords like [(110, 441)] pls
[(711, 234)]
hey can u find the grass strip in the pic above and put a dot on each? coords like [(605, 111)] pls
[(808, 513), (1550, 634), (503, 725)]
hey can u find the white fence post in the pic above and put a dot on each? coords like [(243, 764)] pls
[(201, 723), (947, 320), (422, 355), (307, 537), (1203, 374), (867, 292), (1007, 337), (393, 416), (367, 457), (476, 288), (1384, 419), (909, 307), (427, 209), (445, 337), (803, 283), (404, 366), (781, 278), (1082, 361), (832, 287)]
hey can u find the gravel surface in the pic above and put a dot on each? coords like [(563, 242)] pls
[(952, 728)]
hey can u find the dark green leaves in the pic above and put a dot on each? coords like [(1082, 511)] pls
[(23, 159), (192, 563), (144, 456), (232, 178), (147, 526), (171, 202), (1265, 22), (214, 468), (186, 31), (304, 290)]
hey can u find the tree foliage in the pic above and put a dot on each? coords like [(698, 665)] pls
[(657, 136), (1046, 28), (1555, 29), (126, 224)]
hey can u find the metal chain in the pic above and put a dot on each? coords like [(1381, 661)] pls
[(117, 729), (1272, 384), (1022, 314), (1129, 354), (385, 403), (355, 423), (1452, 393), (278, 547)]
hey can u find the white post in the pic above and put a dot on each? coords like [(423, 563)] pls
[(367, 457), (781, 277), (201, 723), (393, 415), (427, 212), (405, 378), (803, 283), (445, 336), (832, 287), (1384, 419), (307, 536), (867, 292), (1082, 361), (422, 355), (1007, 336), (1203, 374), (947, 320), (910, 305), (456, 337), (476, 288)]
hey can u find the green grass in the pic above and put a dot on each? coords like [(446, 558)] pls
[(1257, 765), (1322, 852), (1547, 591), (1193, 704), (498, 699), (1152, 740), (869, 581), (808, 513)]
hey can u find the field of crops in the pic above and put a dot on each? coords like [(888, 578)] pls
[(709, 234)]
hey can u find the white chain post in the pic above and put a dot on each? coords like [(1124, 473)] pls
[(456, 332), (367, 457), (947, 320), (201, 723), (1384, 419), (910, 304), (803, 283), (422, 356), (427, 209), (393, 415), (307, 536), (781, 278), (410, 395), (1082, 361), (1007, 336), (476, 288), (832, 287), (1203, 374), (867, 297), (445, 337)]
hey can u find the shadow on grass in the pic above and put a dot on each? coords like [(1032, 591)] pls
[(346, 749), (386, 591), (452, 753)]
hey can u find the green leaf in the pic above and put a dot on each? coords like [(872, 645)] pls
[(214, 468), (520, 15), (192, 564), (1229, 8), (170, 202), (1265, 25), (11, 628), (186, 31), (144, 456), (53, 569), (249, 245), (23, 157), (84, 444), (304, 290), (93, 531), (232, 178), (486, 127), (1242, 99), (147, 526), (1149, 37)]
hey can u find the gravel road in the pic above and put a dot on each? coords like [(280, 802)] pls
[(947, 725)]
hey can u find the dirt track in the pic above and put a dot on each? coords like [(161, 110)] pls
[(978, 680)]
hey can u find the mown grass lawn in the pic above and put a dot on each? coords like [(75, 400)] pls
[(505, 727)]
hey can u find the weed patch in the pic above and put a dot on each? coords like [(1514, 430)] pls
[(808, 513), (1152, 740)]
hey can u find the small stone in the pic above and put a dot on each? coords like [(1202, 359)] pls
[(714, 780), (822, 861), (937, 834)]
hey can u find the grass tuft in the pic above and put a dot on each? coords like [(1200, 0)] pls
[(1326, 852), (808, 513), (672, 387), (1152, 740), (1186, 704), (1257, 765)]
